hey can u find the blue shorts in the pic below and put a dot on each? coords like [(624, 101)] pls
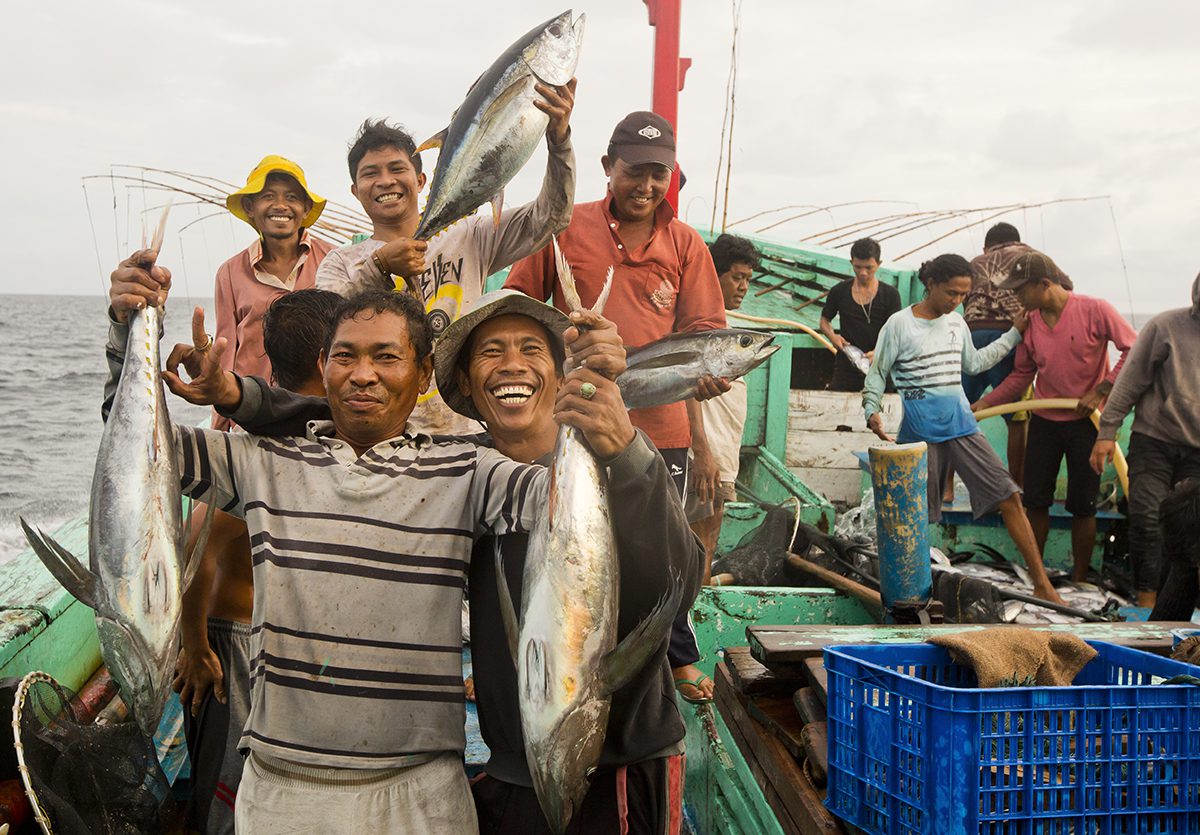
[(976, 385)]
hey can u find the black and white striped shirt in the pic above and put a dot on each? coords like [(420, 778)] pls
[(359, 567)]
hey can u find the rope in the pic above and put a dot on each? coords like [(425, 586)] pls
[(1119, 462)]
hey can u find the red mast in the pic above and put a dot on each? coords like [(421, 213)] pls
[(669, 71)]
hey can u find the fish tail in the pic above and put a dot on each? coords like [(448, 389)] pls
[(63, 566), (602, 299), (566, 278)]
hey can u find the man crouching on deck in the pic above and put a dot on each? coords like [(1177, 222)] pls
[(361, 534)]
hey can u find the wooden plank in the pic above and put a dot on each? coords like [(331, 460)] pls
[(753, 679), (792, 644), (814, 739), (823, 820), (870, 598), (838, 484), (818, 679), (808, 705), (826, 410), (778, 715), (779, 770), (827, 449)]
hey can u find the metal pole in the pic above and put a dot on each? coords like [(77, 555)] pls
[(669, 72)]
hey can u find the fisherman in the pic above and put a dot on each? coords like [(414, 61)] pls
[(1066, 347), (213, 672), (448, 272), (487, 362), (1159, 381), (356, 710), (925, 348), (664, 282), (988, 312), (276, 201), (861, 304), (736, 261)]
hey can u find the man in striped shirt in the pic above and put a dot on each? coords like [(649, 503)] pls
[(926, 348), (361, 534)]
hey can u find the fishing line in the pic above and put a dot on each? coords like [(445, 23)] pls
[(116, 224), (724, 124), (737, 18), (95, 243), (1121, 251)]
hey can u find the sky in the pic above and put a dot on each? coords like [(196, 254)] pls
[(932, 104)]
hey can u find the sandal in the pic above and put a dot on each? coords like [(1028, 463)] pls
[(693, 682)]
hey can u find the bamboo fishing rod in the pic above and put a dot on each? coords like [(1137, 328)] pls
[(787, 323)]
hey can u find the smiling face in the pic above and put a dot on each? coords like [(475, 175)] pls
[(734, 283), (948, 295), (278, 211), (387, 185), (637, 190), (373, 377), (512, 376)]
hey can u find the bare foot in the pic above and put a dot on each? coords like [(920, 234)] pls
[(692, 684), (469, 686), (1048, 593)]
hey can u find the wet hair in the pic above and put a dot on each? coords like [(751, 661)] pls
[(865, 249), (372, 136), (1001, 233), (728, 250), (295, 329), (420, 334), (943, 268)]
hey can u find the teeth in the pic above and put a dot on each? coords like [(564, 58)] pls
[(513, 394), (390, 197)]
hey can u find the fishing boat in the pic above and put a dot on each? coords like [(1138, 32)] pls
[(802, 449)]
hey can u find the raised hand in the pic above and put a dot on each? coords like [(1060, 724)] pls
[(136, 282), (557, 103), (209, 384)]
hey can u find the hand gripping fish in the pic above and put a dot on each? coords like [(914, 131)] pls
[(136, 574), (565, 649), (496, 129), (667, 370)]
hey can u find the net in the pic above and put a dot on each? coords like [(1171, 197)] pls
[(84, 777)]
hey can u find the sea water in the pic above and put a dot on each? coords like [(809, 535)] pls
[(51, 386)]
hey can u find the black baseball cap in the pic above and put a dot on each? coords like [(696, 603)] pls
[(643, 137)]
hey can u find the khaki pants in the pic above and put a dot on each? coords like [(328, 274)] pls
[(278, 797)]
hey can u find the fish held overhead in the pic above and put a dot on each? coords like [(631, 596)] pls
[(136, 571), (667, 370), (496, 129)]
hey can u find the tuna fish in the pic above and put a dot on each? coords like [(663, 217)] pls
[(496, 129), (565, 646), (666, 371), (135, 578)]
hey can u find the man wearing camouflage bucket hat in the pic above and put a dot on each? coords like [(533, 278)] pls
[(501, 364), (278, 204)]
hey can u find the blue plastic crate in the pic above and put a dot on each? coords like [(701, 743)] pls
[(915, 746)]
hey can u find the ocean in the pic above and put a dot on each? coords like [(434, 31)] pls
[(50, 404)]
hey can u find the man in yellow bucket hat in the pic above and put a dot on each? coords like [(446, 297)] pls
[(277, 202)]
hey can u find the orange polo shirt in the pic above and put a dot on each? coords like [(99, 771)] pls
[(243, 294), (668, 285)]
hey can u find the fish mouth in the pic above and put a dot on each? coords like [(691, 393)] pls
[(513, 395)]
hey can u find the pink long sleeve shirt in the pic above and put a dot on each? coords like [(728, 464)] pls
[(1070, 359)]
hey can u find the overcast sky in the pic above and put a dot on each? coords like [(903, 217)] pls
[(941, 104)]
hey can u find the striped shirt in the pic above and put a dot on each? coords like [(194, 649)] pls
[(927, 358), (359, 568)]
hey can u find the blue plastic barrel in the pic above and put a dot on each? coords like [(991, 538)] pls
[(900, 477)]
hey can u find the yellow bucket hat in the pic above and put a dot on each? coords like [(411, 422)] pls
[(257, 179)]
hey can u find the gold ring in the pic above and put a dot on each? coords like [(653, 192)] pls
[(207, 344), (587, 391)]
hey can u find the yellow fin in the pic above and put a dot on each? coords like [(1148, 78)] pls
[(434, 141)]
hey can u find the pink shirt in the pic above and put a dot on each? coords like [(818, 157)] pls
[(243, 294), (1069, 359)]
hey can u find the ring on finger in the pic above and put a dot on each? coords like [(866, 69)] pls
[(587, 391), (207, 344)]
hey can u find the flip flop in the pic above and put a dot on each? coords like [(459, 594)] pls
[(694, 682)]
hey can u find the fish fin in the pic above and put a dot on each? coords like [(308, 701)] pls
[(678, 358), (497, 202), (160, 231), (64, 566), (566, 278), (192, 563), (501, 101), (508, 614), (602, 299), (434, 141), (634, 651)]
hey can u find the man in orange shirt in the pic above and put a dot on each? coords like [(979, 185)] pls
[(664, 282), (277, 203)]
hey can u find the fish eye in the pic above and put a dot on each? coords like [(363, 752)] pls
[(555, 31), (744, 340)]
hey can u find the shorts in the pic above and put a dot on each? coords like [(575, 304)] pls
[(977, 464), (1049, 441), (213, 734)]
